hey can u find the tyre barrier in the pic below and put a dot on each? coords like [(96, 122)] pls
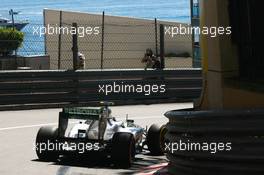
[(226, 142)]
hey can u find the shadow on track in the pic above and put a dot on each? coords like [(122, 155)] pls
[(141, 162)]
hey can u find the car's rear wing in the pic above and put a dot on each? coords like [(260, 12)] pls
[(80, 113), (85, 113)]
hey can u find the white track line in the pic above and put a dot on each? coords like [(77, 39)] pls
[(27, 126)]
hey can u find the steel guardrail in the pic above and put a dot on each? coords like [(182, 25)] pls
[(63, 87)]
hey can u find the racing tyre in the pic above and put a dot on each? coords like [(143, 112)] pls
[(45, 144), (123, 149), (156, 139)]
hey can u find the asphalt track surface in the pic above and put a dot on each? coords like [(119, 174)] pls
[(18, 130)]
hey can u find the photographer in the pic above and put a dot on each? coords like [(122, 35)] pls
[(151, 60)]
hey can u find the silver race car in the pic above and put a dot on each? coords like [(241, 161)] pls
[(93, 131)]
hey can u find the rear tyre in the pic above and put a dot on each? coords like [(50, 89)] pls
[(45, 144), (123, 149), (156, 139)]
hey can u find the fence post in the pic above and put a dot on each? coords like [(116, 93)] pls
[(75, 47), (156, 36), (102, 42), (75, 64), (59, 44), (162, 47)]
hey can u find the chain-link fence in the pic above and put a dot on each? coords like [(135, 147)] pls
[(14, 54), (33, 44), (102, 42), (116, 42), (110, 45)]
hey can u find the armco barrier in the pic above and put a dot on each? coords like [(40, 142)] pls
[(38, 89), (244, 129)]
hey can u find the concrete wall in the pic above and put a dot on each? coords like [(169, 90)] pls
[(33, 62), (126, 40)]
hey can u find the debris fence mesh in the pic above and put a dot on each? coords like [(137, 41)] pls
[(103, 43)]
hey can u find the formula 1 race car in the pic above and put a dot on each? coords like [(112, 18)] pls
[(97, 132)]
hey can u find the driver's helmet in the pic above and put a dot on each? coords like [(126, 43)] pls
[(109, 111)]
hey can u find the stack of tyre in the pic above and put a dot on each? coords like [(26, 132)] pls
[(244, 129)]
